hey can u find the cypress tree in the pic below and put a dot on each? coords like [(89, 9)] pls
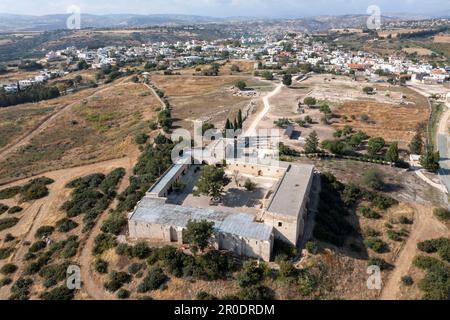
[(239, 119)]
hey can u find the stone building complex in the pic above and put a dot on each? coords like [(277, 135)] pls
[(280, 213)]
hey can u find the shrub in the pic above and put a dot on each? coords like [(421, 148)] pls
[(370, 232), (444, 251), (394, 235), (141, 138), (251, 274), (3, 208), (352, 193), (66, 225), (111, 180), (9, 237), (136, 267), (369, 213), (428, 246), (436, 284), (287, 270), (5, 282), (70, 248), (154, 280), (61, 293), (15, 209), (407, 281), (376, 244), (123, 294), (35, 189), (405, 220), (115, 222), (379, 262), (37, 246), (374, 178), (307, 283), (44, 232), (249, 185), (311, 247), (205, 296), (8, 268), (87, 182), (57, 272), (21, 289), (424, 262), (9, 192), (103, 242), (141, 250), (5, 252), (434, 245), (117, 280), (101, 266), (7, 223), (124, 249), (380, 201), (50, 282), (215, 265), (257, 292), (442, 214)]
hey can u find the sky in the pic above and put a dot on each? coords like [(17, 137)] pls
[(226, 8)]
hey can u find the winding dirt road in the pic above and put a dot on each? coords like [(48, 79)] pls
[(425, 227), (254, 125), (46, 211)]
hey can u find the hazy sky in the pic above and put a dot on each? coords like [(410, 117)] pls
[(225, 8)]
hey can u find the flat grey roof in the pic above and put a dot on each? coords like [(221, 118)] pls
[(156, 211), (291, 190), (168, 175)]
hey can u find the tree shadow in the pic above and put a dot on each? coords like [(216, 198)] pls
[(235, 197)]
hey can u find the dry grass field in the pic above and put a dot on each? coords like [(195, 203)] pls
[(442, 38), (396, 32), (394, 112), (204, 98), (419, 51), (188, 85), (17, 121), (393, 122), (15, 75), (98, 128)]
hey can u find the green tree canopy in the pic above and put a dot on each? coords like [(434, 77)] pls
[(430, 161), (198, 234), (392, 153), (374, 178), (287, 80), (310, 101), (375, 146), (241, 85), (416, 145), (211, 183), (312, 143)]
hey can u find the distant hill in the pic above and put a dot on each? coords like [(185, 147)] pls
[(10, 22)]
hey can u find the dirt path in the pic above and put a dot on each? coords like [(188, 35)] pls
[(425, 227), (24, 140), (163, 104), (254, 125), (46, 211), (91, 284)]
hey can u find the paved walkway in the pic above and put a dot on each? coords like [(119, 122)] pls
[(439, 186), (442, 145)]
